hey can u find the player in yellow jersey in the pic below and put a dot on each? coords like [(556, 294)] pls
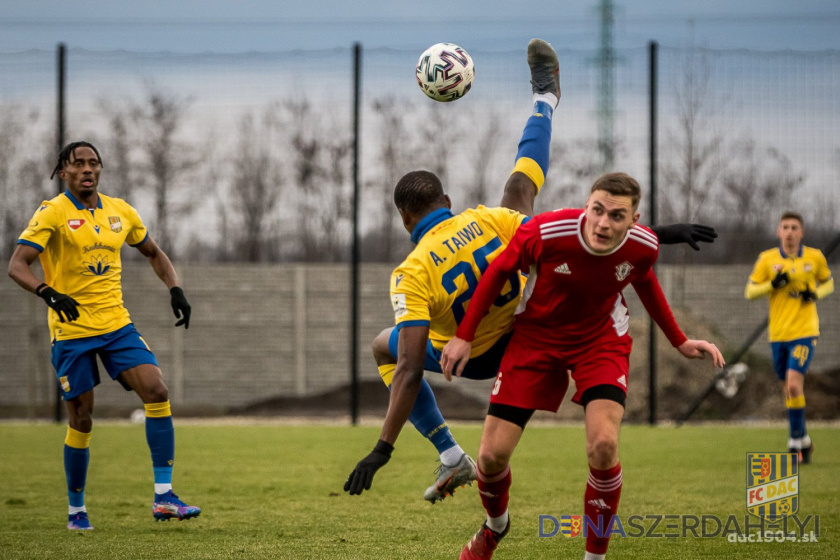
[(795, 277), (78, 236), (431, 288)]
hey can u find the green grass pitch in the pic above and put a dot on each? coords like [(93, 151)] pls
[(275, 491)]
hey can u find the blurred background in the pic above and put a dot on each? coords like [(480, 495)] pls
[(230, 128)]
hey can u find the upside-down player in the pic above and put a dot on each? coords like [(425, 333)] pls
[(795, 277), (78, 236), (572, 317), (431, 288)]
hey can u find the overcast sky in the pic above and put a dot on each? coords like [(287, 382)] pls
[(260, 25)]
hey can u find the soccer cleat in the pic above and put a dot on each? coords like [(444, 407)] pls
[(168, 506), (805, 454), (545, 69), (483, 543), (449, 478), (79, 522)]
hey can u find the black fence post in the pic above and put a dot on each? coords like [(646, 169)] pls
[(354, 265), (61, 65), (652, 334)]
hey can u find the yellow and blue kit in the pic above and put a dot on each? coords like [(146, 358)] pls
[(80, 255), (790, 317), (434, 284)]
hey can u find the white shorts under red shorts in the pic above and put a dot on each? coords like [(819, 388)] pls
[(534, 375)]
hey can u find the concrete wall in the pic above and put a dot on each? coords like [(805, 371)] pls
[(259, 331)]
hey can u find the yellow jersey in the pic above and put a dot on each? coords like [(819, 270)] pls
[(434, 284), (80, 255), (790, 318)]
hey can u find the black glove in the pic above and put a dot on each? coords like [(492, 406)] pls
[(362, 476), (180, 306), (808, 296), (62, 304), (780, 281), (685, 233)]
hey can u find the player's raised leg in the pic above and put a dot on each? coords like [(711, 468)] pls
[(456, 467), (532, 156)]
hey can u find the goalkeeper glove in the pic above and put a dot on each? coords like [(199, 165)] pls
[(780, 281), (685, 233), (808, 296), (62, 304), (362, 476), (180, 306)]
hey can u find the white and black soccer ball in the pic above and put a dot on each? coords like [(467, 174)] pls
[(445, 72)]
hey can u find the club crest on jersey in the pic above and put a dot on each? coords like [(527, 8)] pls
[(772, 485), (75, 224), (116, 224), (623, 270)]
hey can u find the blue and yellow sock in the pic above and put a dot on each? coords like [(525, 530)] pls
[(76, 459), (160, 435), (796, 416), (425, 416), (534, 146)]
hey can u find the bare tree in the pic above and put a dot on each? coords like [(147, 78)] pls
[(320, 152), (394, 154), (574, 166), (693, 154), (117, 148), (256, 185), (439, 131), (488, 130), (758, 186), (159, 119), (24, 175)]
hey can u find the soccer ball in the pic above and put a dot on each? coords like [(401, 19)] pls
[(445, 72)]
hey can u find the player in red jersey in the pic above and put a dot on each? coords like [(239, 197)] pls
[(572, 318)]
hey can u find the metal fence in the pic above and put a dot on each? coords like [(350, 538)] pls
[(743, 135)]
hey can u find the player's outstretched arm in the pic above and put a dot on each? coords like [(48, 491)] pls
[(404, 389), (685, 233), (699, 349), (166, 272)]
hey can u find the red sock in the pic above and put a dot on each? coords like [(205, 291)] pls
[(603, 491), (494, 490)]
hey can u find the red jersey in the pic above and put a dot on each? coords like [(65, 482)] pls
[(573, 295)]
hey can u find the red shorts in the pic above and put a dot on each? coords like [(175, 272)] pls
[(535, 375)]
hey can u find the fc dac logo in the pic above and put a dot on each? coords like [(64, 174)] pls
[(772, 485)]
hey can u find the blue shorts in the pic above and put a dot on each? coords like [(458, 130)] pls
[(793, 354), (75, 365), (485, 366)]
